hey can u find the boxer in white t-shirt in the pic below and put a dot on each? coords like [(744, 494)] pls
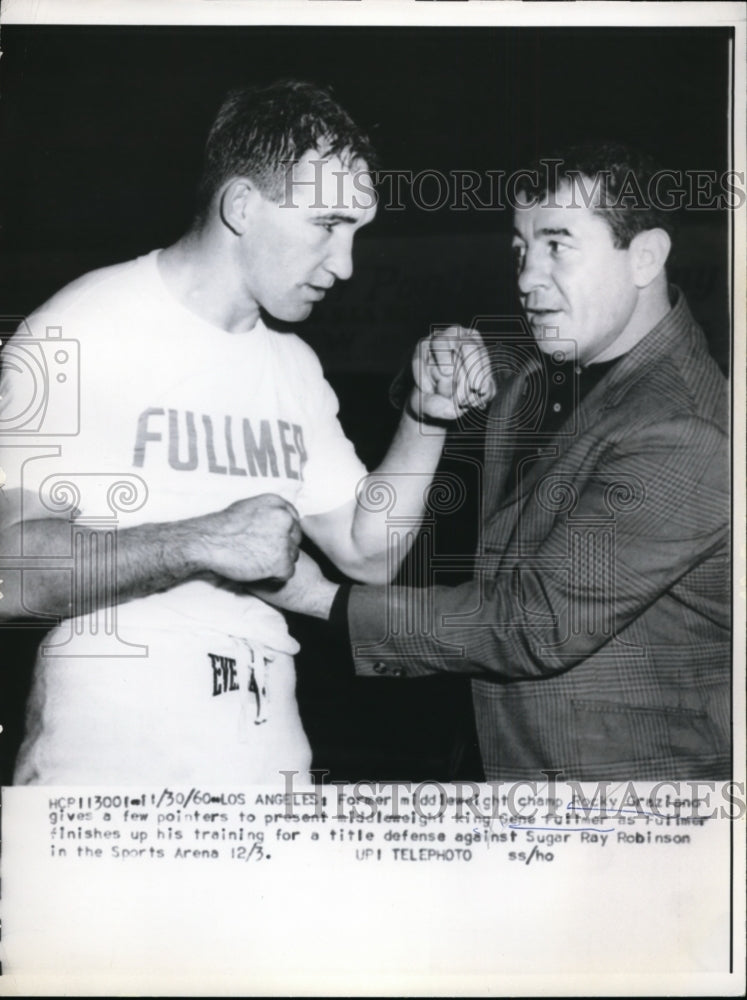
[(225, 433)]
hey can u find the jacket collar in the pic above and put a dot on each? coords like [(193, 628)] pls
[(676, 332)]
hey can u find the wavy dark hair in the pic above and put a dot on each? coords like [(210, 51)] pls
[(624, 188), (259, 131)]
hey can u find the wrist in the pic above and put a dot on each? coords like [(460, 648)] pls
[(413, 408), (322, 599), (182, 549)]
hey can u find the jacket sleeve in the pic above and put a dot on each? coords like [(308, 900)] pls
[(596, 549)]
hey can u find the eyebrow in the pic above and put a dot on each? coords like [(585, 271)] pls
[(548, 231), (337, 217), (554, 231)]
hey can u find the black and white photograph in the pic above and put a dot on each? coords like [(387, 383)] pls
[(372, 498)]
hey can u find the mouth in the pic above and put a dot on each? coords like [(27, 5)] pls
[(543, 317), (318, 291)]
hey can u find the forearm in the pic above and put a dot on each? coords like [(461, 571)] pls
[(71, 569), (589, 577), (451, 374), (398, 488)]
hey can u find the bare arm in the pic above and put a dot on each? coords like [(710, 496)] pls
[(452, 374), (254, 539)]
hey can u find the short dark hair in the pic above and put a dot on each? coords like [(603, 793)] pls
[(257, 128), (622, 177)]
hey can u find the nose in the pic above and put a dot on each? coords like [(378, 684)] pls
[(339, 261), (533, 271)]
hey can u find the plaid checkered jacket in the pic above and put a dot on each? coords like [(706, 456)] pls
[(596, 626)]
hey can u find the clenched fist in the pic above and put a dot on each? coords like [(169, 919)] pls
[(452, 373), (253, 539)]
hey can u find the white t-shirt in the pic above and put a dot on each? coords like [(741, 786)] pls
[(189, 417), (203, 417)]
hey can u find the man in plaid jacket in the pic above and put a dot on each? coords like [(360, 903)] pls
[(596, 625)]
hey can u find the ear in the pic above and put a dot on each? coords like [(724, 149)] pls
[(648, 254), (236, 202)]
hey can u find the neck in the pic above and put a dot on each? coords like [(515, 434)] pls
[(199, 271)]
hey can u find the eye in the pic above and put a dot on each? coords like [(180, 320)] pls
[(557, 248), (328, 226), (519, 253)]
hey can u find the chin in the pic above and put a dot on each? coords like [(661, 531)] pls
[(548, 345), (292, 315)]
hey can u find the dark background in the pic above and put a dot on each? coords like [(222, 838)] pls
[(101, 131)]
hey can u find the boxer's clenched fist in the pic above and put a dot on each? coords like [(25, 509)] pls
[(253, 539), (452, 373)]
